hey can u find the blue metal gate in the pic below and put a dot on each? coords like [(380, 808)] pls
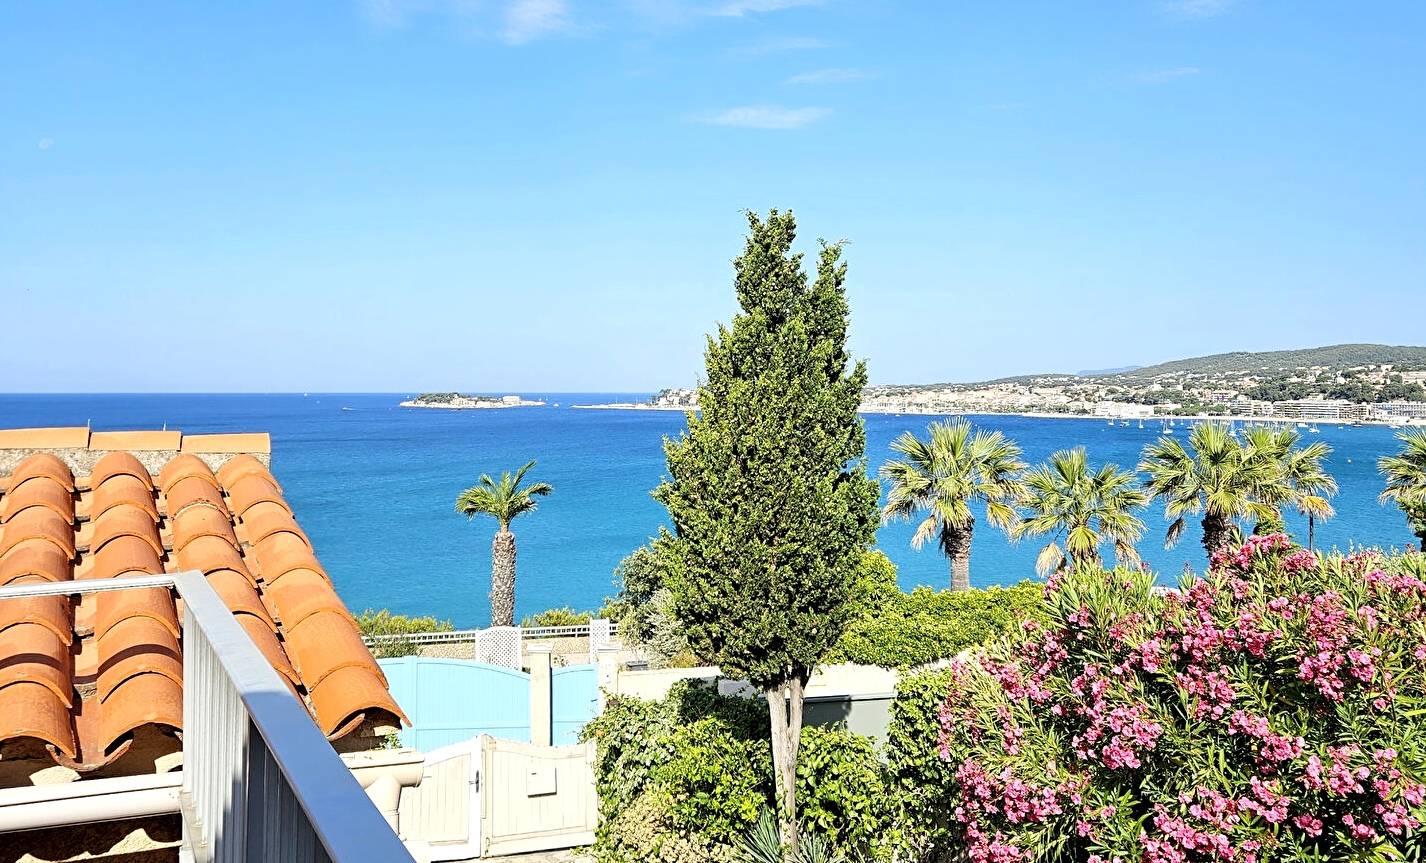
[(574, 700), (450, 700)]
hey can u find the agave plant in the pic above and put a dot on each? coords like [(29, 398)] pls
[(763, 844)]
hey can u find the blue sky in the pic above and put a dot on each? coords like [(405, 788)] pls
[(386, 195)]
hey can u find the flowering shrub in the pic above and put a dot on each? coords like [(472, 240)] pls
[(1270, 711)]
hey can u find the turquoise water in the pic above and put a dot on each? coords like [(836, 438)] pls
[(375, 485)]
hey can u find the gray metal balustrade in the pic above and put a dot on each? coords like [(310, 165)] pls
[(260, 781)]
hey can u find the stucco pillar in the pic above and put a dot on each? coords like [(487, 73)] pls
[(541, 708), (606, 660)]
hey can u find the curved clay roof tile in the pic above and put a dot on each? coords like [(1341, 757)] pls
[(253, 489), (265, 521), (197, 521), (39, 560), (240, 466), (347, 696), (266, 641), (185, 466), (124, 520), (325, 642), (30, 652), (124, 555), (113, 607), (41, 491), (119, 490), (119, 464), (29, 709), (299, 595), (42, 464), (209, 553), (194, 491), (38, 523), (133, 647), (282, 553), (145, 699), (238, 594), (54, 613)]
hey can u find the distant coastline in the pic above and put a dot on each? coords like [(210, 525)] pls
[(463, 402)]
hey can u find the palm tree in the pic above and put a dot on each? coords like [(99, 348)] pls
[(942, 477), (1405, 475), (505, 499), (1065, 498), (1297, 479), (1221, 479)]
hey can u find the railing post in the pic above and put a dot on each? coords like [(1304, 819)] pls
[(541, 695)]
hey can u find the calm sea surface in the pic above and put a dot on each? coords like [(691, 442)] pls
[(374, 486)]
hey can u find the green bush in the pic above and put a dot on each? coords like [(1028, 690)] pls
[(714, 781), (917, 628), (557, 617), (376, 623), (841, 792), (918, 780)]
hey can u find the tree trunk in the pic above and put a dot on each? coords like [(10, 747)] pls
[(785, 717), (502, 578), (1311, 532), (956, 542), (1216, 533)]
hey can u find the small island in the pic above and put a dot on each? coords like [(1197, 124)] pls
[(461, 401), (678, 399)]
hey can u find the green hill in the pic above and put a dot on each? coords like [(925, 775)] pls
[(1333, 357)]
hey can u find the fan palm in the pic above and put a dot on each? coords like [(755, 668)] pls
[(1221, 478), (504, 499), (1405, 475), (943, 477), (1296, 477), (1086, 507)]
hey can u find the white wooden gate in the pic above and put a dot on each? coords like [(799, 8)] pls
[(488, 797)]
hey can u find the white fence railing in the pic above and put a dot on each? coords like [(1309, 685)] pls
[(260, 782), (500, 645)]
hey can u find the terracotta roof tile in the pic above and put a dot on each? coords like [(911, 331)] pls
[(325, 642), (40, 491), (137, 645), (184, 466), (136, 441), (126, 643), (343, 699), (124, 521), (240, 466), (121, 489), (40, 560), (226, 443), (300, 594), (38, 524), (41, 464), (32, 653), (194, 491), (31, 709), (282, 553), (252, 489), (144, 699), (126, 555), (113, 607), (209, 553), (119, 464), (73, 437), (199, 521)]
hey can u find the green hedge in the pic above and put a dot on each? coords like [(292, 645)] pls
[(904, 630), (383, 622)]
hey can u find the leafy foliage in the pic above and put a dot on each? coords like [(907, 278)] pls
[(383, 622), (558, 617), (911, 629), (504, 498), (920, 782), (1270, 711), (1086, 508), (1405, 474)]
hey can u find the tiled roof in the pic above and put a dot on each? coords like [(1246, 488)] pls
[(82, 679)]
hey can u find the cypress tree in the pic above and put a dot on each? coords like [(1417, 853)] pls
[(767, 490)]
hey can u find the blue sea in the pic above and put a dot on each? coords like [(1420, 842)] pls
[(375, 484)]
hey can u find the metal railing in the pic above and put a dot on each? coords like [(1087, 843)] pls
[(260, 782), (461, 636)]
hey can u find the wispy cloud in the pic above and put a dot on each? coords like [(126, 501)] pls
[(784, 45), (739, 8), (527, 20), (829, 76), (1196, 8), (764, 117), (1164, 76), (45, 143)]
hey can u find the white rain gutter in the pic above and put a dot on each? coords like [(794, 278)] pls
[(90, 801)]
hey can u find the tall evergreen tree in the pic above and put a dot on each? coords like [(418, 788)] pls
[(767, 490)]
